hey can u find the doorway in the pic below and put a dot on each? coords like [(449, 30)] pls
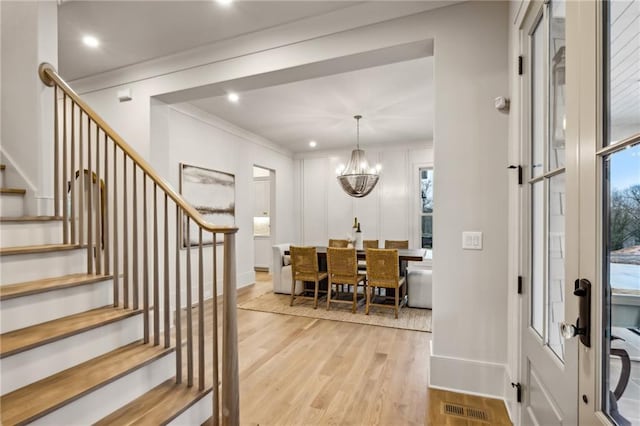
[(580, 122), (263, 216)]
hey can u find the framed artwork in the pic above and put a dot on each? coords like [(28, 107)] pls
[(212, 193)]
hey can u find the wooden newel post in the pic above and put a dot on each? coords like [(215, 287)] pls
[(230, 378)]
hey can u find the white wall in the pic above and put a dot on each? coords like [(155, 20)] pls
[(470, 153), (28, 38), (470, 192), (390, 211), (200, 139)]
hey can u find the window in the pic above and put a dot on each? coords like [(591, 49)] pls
[(426, 207), (547, 177)]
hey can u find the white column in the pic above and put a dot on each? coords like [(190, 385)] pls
[(29, 36)]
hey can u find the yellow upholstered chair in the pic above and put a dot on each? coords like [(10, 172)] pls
[(342, 265), (396, 244), (304, 267), (338, 243), (383, 271)]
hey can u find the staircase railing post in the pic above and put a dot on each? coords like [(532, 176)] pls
[(230, 379)]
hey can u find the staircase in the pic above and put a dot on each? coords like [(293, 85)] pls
[(97, 319)]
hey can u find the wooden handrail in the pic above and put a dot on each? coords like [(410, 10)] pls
[(49, 77), (120, 171)]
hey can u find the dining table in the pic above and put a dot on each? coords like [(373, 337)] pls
[(404, 257)]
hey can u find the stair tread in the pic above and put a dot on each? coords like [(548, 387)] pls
[(17, 341), (49, 284), (45, 248), (158, 406), (42, 397), (30, 218), (17, 191)]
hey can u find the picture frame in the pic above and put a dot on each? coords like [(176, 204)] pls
[(212, 194)]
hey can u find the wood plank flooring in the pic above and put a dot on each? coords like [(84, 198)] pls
[(296, 370), (305, 371)]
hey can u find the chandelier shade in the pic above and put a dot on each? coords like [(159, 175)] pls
[(357, 178)]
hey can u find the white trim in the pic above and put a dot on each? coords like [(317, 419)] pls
[(452, 373), (367, 148), (215, 121), (270, 39)]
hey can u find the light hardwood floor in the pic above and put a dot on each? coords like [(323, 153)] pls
[(296, 370), (305, 371)]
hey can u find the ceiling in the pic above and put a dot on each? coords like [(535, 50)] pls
[(134, 31), (394, 95), (395, 100)]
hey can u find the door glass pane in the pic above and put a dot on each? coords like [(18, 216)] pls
[(624, 69), (537, 256), (557, 117), (537, 101), (622, 285), (555, 259)]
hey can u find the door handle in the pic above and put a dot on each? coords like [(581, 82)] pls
[(582, 328)]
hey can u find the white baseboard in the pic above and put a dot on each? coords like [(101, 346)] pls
[(472, 377)]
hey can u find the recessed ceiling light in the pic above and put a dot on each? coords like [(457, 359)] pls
[(312, 144), (233, 97), (224, 2), (90, 41)]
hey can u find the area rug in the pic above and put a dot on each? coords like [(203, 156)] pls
[(408, 318)]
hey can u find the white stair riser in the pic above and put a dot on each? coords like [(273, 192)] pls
[(11, 205), (96, 405), (36, 266), (29, 366), (197, 414), (13, 234), (1, 178), (38, 308)]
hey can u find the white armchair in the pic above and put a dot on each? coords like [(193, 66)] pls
[(281, 274), (420, 288)]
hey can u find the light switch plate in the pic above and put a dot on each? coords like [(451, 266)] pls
[(472, 240)]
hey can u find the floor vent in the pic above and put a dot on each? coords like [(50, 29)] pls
[(469, 413)]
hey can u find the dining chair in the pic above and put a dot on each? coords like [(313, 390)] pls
[(383, 271), (370, 244), (362, 264), (338, 243), (396, 244), (342, 266), (304, 267)]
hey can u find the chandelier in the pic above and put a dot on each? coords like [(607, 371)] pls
[(357, 178)]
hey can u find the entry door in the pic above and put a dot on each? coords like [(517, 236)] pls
[(609, 164), (549, 258)]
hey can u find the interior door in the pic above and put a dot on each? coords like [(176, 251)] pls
[(549, 260)]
